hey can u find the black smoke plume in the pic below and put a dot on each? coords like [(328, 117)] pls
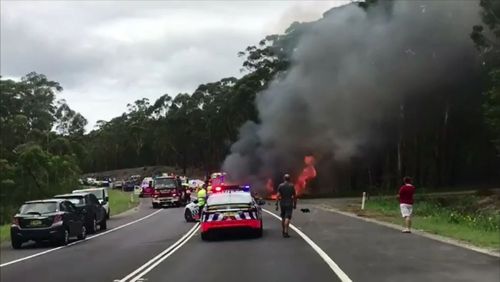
[(350, 72)]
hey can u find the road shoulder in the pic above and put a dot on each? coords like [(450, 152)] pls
[(439, 238)]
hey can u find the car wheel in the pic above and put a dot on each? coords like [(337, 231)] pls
[(108, 213), (260, 231), (205, 236), (83, 233), (103, 225), (65, 238), (93, 226), (155, 205), (188, 215), (16, 243)]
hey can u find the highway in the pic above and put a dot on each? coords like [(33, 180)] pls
[(158, 245)]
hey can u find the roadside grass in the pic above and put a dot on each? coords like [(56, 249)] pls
[(455, 217), (4, 232), (119, 202)]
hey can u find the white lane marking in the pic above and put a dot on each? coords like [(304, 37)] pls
[(79, 241), (152, 263), (336, 269)]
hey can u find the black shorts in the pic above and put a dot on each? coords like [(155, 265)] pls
[(286, 212)]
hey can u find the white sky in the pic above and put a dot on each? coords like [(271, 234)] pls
[(106, 54)]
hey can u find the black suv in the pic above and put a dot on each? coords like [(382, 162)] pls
[(89, 206), (53, 219)]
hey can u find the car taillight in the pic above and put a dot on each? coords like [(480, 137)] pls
[(58, 219), (218, 189), (15, 221)]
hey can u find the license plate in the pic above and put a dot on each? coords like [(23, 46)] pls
[(229, 214), (36, 222)]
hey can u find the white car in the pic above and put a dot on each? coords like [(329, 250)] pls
[(191, 211), (101, 194)]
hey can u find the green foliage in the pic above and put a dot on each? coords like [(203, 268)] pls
[(461, 210), (488, 43), (492, 106), (35, 162), (442, 137)]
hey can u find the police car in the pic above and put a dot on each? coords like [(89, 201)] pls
[(191, 211), (231, 207)]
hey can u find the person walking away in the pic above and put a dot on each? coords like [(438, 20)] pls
[(406, 202), (287, 201), (202, 196)]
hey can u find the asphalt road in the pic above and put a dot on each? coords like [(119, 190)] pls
[(157, 245)]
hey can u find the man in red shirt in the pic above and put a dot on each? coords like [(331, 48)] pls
[(406, 202)]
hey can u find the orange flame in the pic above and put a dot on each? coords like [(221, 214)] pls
[(309, 172), (270, 189), (270, 186)]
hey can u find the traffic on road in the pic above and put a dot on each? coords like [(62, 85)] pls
[(230, 224)]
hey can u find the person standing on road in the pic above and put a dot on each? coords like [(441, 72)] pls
[(287, 201), (202, 196), (406, 202)]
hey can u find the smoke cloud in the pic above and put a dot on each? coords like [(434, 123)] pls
[(348, 71)]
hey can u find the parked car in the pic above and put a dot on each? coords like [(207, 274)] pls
[(101, 194), (53, 219), (118, 184), (88, 204), (90, 181), (129, 185)]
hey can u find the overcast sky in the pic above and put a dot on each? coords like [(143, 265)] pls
[(108, 54)]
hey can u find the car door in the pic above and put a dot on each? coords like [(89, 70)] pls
[(90, 208), (77, 218), (68, 217), (99, 211)]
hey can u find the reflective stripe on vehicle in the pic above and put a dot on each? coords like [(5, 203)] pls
[(242, 215)]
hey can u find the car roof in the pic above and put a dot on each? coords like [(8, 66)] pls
[(71, 195), (229, 197), (45, 201), (88, 190)]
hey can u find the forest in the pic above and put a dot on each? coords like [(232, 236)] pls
[(445, 134)]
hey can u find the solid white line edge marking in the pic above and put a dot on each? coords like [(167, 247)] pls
[(152, 263), (79, 241), (336, 269)]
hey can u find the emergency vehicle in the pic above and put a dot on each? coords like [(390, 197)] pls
[(166, 192), (231, 207), (146, 189)]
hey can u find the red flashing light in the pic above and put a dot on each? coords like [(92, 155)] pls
[(218, 189)]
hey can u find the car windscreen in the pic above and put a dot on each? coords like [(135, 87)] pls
[(229, 198), (41, 208), (165, 183), (77, 201), (97, 193), (145, 182)]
